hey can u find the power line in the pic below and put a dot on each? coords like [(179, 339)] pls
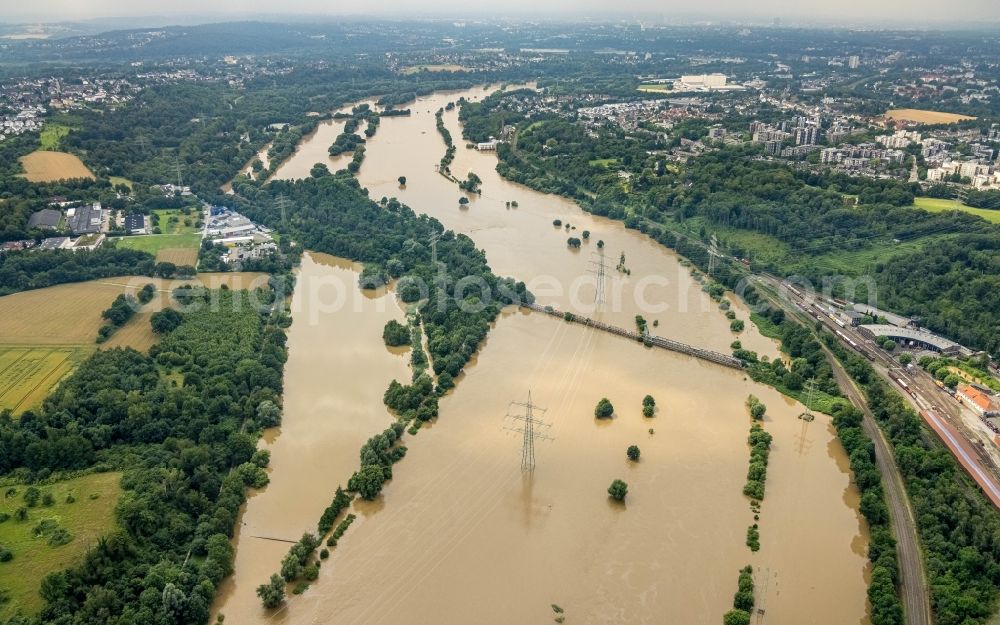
[(600, 270), (527, 430), (283, 203)]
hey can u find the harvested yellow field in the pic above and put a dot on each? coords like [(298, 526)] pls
[(46, 333), (66, 314), (178, 256), (70, 314), (28, 374), (925, 117), (45, 166)]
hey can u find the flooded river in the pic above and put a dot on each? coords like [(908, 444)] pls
[(334, 380), (460, 535)]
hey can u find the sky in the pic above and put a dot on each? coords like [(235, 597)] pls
[(930, 12)]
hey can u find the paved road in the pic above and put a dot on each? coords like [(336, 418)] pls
[(912, 580)]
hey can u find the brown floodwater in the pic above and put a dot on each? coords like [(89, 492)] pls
[(337, 371), (460, 534), (247, 169), (314, 148)]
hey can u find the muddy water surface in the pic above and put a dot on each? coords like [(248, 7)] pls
[(337, 370), (247, 169), (460, 535), (315, 147)]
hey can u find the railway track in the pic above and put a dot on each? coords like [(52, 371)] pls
[(656, 341)]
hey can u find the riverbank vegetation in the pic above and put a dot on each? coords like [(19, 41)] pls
[(449, 153), (760, 448), (743, 600), (784, 220)]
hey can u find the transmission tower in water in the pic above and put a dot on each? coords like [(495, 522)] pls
[(600, 270), (525, 413)]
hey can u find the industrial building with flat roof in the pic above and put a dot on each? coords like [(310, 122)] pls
[(86, 219), (914, 337), (893, 318), (47, 218)]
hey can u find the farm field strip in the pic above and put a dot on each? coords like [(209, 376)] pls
[(40, 391), (28, 374), (48, 166), (926, 117)]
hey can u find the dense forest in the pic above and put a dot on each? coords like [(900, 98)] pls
[(181, 423), (36, 269)]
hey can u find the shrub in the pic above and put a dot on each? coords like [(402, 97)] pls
[(604, 409), (31, 496), (736, 617), (6, 555), (272, 594), (395, 334), (618, 490), (756, 407)]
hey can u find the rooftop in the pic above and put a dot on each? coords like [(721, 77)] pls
[(910, 334)]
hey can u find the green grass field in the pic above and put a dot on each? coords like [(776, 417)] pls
[(29, 373), (153, 243), (603, 162), (117, 180), (51, 135), (936, 205), (87, 519), (656, 88), (171, 221), (850, 262)]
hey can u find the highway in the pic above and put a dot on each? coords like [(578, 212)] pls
[(912, 577)]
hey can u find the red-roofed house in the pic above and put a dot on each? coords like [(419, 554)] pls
[(974, 398)]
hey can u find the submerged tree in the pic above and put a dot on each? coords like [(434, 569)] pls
[(633, 453), (604, 409), (272, 594), (618, 490)]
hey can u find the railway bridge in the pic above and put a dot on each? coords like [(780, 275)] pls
[(648, 339)]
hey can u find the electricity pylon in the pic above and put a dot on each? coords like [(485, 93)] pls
[(283, 203), (530, 422), (433, 239), (600, 270)]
